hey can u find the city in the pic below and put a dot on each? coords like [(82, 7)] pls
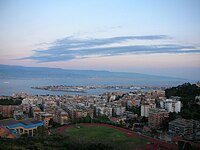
[(149, 114), (100, 75)]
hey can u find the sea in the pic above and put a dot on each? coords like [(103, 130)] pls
[(18, 85)]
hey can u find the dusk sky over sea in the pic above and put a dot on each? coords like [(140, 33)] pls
[(145, 36)]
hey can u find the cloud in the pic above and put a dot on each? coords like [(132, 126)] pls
[(70, 48)]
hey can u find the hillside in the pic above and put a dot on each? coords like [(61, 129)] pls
[(187, 92), (7, 71)]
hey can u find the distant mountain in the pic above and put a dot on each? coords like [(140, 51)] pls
[(20, 72)]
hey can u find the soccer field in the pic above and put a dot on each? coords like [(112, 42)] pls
[(114, 137)]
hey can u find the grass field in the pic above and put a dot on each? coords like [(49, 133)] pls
[(116, 138)]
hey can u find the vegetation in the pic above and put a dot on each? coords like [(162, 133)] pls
[(107, 136), (101, 119), (12, 101), (2, 117), (83, 138), (54, 124), (193, 112), (187, 92), (86, 119), (172, 116), (118, 97), (55, 142), (135, 110)]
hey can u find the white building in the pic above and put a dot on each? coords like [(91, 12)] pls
[(145, 109), (177, 106), (168, 106), (171, 105), (103, 111), (118, 111)]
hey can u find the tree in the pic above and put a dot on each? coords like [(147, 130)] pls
[(51, 122), (135, 110), (187, 92), (10, 101), (65, 121), (172, 116), (2, 117), (103, 118), (87, 119)]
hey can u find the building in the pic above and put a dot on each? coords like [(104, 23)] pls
[(69, 109), (5, 133), (156, 117), (171, 105), (18, 115), (7, 110), (27, 126), (46, 118), (35, 110), (184, 126), (64, 118), (79, 113), (145, 109), (60, 116), (133, 103), (42, 116), (118, 111), (102, 110)]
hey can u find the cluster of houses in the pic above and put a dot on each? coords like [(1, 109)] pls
[(117, 106)]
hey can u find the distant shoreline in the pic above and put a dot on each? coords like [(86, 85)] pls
[(84, 89)]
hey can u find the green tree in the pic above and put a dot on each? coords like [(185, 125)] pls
[(103, 118), (10, 101), (187, 92), (87, 119)]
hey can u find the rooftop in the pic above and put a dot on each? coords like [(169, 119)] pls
[(7, 122), (26, 122), (30, 121), (156, 110), (182, 122)]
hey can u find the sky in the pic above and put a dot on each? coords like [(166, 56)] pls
[(145, 36)]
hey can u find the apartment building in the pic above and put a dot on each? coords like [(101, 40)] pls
[(156, 117)]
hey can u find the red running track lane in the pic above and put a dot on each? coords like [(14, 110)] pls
[(153, 146)]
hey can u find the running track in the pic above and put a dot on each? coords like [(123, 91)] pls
[(153, 146)]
